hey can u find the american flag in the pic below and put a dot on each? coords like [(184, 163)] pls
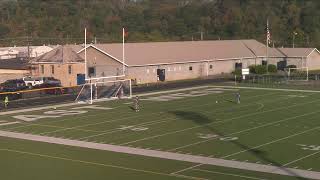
[(268, 33)]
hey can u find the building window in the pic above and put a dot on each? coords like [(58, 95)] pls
[(70, 69), (42, 69), (210, 66), (52, 69), (91, 71), (264, 63), (190, 68), (238, 66)]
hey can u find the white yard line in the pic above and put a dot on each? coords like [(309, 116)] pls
[(119, 130), (168, 155), (186, 169), (246, 130), (228, 174), (125, 118), (9, 123), (113, 130), (198, 165), (216, 122), (318, 152), (92, 163), (271, 142)]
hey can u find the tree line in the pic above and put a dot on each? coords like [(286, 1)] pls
[(58, 22)]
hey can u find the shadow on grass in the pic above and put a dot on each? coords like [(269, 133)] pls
[(203, 120)]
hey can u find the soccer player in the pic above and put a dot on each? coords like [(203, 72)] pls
[(136, 104), (120, 93), (6, 102), (238, 97)]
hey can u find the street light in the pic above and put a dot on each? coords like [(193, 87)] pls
[(293, 37)]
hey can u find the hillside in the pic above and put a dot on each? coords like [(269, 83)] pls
[(51, 22)]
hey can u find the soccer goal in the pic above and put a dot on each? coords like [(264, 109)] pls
[(297, 74), (105, 90)]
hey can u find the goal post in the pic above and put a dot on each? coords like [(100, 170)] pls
[(105, 90), (297, 74)]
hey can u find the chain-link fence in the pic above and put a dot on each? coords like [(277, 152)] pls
[(281, 81)]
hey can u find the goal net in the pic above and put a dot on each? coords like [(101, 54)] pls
[(105, 90), (297, 74)]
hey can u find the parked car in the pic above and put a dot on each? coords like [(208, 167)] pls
[(52, 88), (13, 85), (52, 81)]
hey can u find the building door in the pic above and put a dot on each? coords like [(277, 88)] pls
[(81, 79), (161, 74)]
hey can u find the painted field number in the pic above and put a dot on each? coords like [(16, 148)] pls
[(133, 128), (210, 136), (229, 138), (207, 136), (309, 147)]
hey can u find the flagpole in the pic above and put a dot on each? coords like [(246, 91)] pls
[(123, 58), (85, 53), (267, 42)]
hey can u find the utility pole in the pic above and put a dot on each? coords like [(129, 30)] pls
[(28, 42), (293, 37), (201, 35)]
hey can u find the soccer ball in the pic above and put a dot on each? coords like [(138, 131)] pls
[(216, 101), (54, 108)]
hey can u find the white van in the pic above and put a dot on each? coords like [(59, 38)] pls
[(33, 81)]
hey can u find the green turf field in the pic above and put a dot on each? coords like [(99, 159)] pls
[(276, 128)]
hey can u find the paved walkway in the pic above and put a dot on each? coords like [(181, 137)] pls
[(168, 155)]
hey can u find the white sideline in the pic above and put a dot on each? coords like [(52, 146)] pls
[(228, 174), (168, 155), (74, 103), (98, 164)]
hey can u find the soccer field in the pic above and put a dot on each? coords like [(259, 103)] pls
[(198, 133)]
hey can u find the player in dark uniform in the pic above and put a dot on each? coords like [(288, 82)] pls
[(238, 97), (136, 104)]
